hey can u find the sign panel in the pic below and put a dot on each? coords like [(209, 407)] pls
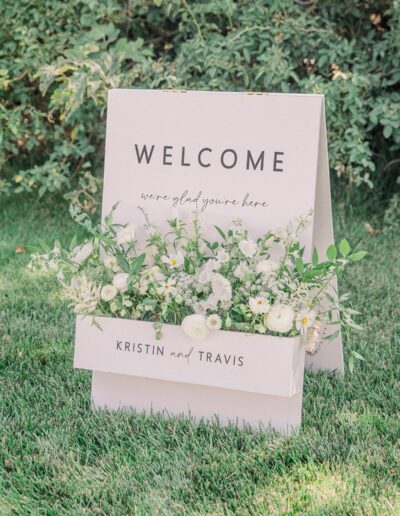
[(258, 157)]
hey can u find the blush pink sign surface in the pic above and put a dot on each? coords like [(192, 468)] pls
[(260, 157)]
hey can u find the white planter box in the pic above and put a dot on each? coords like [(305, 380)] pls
[(255, 379)]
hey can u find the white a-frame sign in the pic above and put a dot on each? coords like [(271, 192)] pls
[(260, 157)]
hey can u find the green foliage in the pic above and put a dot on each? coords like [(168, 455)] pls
[(58, 59)]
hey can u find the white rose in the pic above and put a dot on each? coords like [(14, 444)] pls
[(222, 256), (126, 235), (214, 322), (280, 318), (108, 292), (195, 327), (259, 305), (121, 281), (267, 268), (111, 262), (82, 252), (221, 287), (248, 248), (241, 270)]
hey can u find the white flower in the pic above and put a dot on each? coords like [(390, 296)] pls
[(221, 287), (248, 248), (195, 327), (126, 235), (267, 268), (222, 256), (82, 253), (280, 318), (173, 260), (121, 281), (241, 271), (142, 286), (108, 292), (304, 321), (205, 275), (60, 276), (214, 322), (167, 288), (111, 262), (154, 273), (259, 305)]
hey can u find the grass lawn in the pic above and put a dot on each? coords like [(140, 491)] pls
[(57, 456)]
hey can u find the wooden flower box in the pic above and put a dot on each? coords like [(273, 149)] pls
[(231, 376)]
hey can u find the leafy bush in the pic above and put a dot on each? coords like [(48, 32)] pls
[(57, 60)]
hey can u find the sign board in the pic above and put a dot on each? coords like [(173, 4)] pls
[(259, 157)]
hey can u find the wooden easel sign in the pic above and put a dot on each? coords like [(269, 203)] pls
[(259, 157)]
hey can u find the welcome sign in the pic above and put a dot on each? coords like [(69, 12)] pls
[(258, 157)]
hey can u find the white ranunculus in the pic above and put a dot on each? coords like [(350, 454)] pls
[(111, 263), (154, 273), (280, 318), (173, 260), (195, 327), (241, 270), (121, 281), (126, 235), (214, 322), (222, 256), (259, 305), (108, 292), (267, 268), (221, 287), (248, 248), (82, 252)]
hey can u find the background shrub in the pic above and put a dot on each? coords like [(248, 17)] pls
[(57, 60)]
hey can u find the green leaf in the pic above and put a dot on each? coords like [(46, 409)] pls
[(220, 232), (357, 355), (331, 252), (314, 258), (332, 336), (123, 263), (137, 264), (351, 364), (359, 255), (96, 324), (44, 246), (299, 265), (344, 247), (72, 245)]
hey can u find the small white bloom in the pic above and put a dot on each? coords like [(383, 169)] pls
[(280, 318), (214, 322), (241, 271), (195, 327), (60, 276), (173, 260), (57, 251), (142, 286), (111, 263), (121, 281), (126, 235), (167, 287), (222, 256), (82, 252), (248, 248), (154, 273), (221, 287), (267, 268), (259, 305), (304, 321), (108, 292)]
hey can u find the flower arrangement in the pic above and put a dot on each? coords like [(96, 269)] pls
[(179, 277)]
